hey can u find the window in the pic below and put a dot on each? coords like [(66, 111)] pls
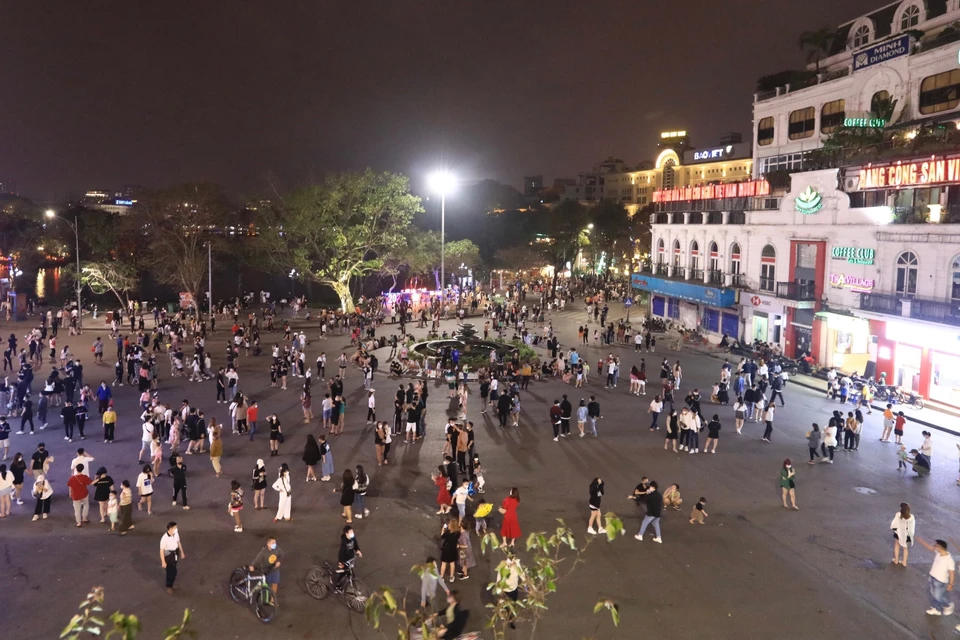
[(955, 280), (735, 258), (768, 268), (668, 173), (714, 257), (661, 252), (676, 253), (910, 17), (879, 99), (940, 92), (802, 123), (861, 36), (673, 307), (765, 131), (831, 116), (694, 255), (907, 274)]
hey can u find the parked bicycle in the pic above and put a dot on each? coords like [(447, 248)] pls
[(251, 587), (321, 580)]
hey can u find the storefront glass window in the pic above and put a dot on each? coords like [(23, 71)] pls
[(907, 367), (955, 280), (946, 379)]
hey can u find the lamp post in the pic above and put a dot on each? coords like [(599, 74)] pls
[(442, 183), (75, 225)]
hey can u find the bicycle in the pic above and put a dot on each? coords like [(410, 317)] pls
[(245, 586), (321, 580)]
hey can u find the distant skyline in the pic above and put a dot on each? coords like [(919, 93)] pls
[(114, 93)]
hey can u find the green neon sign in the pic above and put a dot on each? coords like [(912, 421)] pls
[(865, 123), (854, 255), (809, 201)]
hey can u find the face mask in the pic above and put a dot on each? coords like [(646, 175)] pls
[(789, 466), (350, 536), (272, 546)]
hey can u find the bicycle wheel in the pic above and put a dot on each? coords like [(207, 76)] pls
[(237, 585), (318, 582), (264, 603), (355, 596)]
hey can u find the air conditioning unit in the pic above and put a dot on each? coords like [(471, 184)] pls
[(851, 183)]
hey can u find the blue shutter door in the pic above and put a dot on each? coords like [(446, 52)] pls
[(673, 307), (658, 306), (730, 325), (711, 319)]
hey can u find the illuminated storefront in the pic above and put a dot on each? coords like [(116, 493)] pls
[(691, 304), (844, 342)]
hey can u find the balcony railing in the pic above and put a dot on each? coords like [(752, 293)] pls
[(646, 266), (738, 280), (922, 309), (679, 272), (696, 274), (715, 276), (800, 291), (662, 268)]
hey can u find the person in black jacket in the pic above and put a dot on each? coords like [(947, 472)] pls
[(654, 511), (349, 552), (178, 471), (504, 404), (777, 389), (593, 414), (566, 409)]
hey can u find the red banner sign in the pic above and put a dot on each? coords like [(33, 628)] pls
[(748, 189), (931, 171)]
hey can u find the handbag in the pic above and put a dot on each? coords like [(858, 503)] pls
[(280, 437)]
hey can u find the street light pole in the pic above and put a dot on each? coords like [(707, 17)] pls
[(441, 183), (50, 213), (443, 229), (210, 278)]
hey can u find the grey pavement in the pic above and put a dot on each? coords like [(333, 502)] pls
[(753, 570)]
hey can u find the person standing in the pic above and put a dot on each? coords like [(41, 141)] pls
[(311, 457), (109, 418), (171, 551), (259, 485), (656, 406), (145, 488), (942, 574), (898, 424), (768, 420), (713, 434), (596, 495), (179, 474), (102, 486), (326, 460), (888, 422), (787, 485), (216, 445), (814, 437), (830, 440), (654, 501), (593, 414), (282, 486), (276, 434), (510, 529), (566, 410), (739, 414), (235, 506), (904, 527), (79, 494), (126, 508)]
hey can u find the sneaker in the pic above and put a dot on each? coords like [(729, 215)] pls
[(658, 540), (20, 433), (556, 439), (45, 516), (35, 518), (238, 529), (591, 531), (829, 461), (582, 434), (639, 537), (696, 450), (948, 610), (690, 451), (601, 530), (358, 516), (930, 612), (366, 512), (765, 439), (174, 503), (186, 508)]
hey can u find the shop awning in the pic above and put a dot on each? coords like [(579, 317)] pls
[(685, 290)]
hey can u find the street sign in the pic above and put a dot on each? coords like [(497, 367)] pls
[(628, 302)]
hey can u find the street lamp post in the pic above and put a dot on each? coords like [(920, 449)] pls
[(442, 183), (50, 213)]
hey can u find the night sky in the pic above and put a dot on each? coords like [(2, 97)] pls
[(102, 94)]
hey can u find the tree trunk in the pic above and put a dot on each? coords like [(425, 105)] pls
[(342, 289), (436, 278), (394, 285)]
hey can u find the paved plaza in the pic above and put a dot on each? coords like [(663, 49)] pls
[(754, 570)]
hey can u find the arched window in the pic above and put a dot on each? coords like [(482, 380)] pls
[(714, 257), (907, 265), (676, 253), (694, 255), (668, 173), (768, 268), (910, 17), (735, 258), (661, 252), (955, 280), (879, 102), (861, 36)]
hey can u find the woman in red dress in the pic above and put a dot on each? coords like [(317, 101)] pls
[(444, 499), (510, 529)]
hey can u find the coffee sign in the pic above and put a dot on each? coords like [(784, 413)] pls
[(854, 255), (859, 285)]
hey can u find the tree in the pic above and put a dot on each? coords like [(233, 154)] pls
[(565, 231), (552, 559), (611, 233), (519, 258), (817, 43), (177, 224), (343, 228), (117, 277), (89, 623)]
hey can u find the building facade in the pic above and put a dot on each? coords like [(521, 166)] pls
[(897, 66)]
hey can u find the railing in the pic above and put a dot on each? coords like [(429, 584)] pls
[(936, 311), (679, 272), (762, 203), (715, 276), (803, 84), (715, 217), (738, 217), (662, 268), (798, 290), (881, 303), (695, 217), (767, 284), (939, 41), (696, 274), (738, 280), (646, 266)]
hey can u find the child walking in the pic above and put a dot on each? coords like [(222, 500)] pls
[(113, 510), (902, 459), (698, 514), (236, 505)]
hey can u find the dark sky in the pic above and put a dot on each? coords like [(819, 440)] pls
[(102, 94)]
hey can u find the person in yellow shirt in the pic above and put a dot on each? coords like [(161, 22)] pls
[(109, 423)]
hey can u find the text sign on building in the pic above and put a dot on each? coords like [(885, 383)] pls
[(930, 171), (864, 123), (860, 285), (713, 154), (809, 201), (854, 255), (881, 52), (747, 189)]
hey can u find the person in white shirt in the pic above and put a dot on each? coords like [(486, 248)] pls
[(145, 439), (904, 527), (460, 496), (768, 419), (85, 459), (171, 552), (942, 575), (371, 407)]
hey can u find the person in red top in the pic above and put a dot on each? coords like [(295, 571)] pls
[(77, 484), (898, 427), (444, 499), (510, 529), (253, 411)]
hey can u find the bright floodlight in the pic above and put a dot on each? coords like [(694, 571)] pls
[(50, 213), (441, 182)]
